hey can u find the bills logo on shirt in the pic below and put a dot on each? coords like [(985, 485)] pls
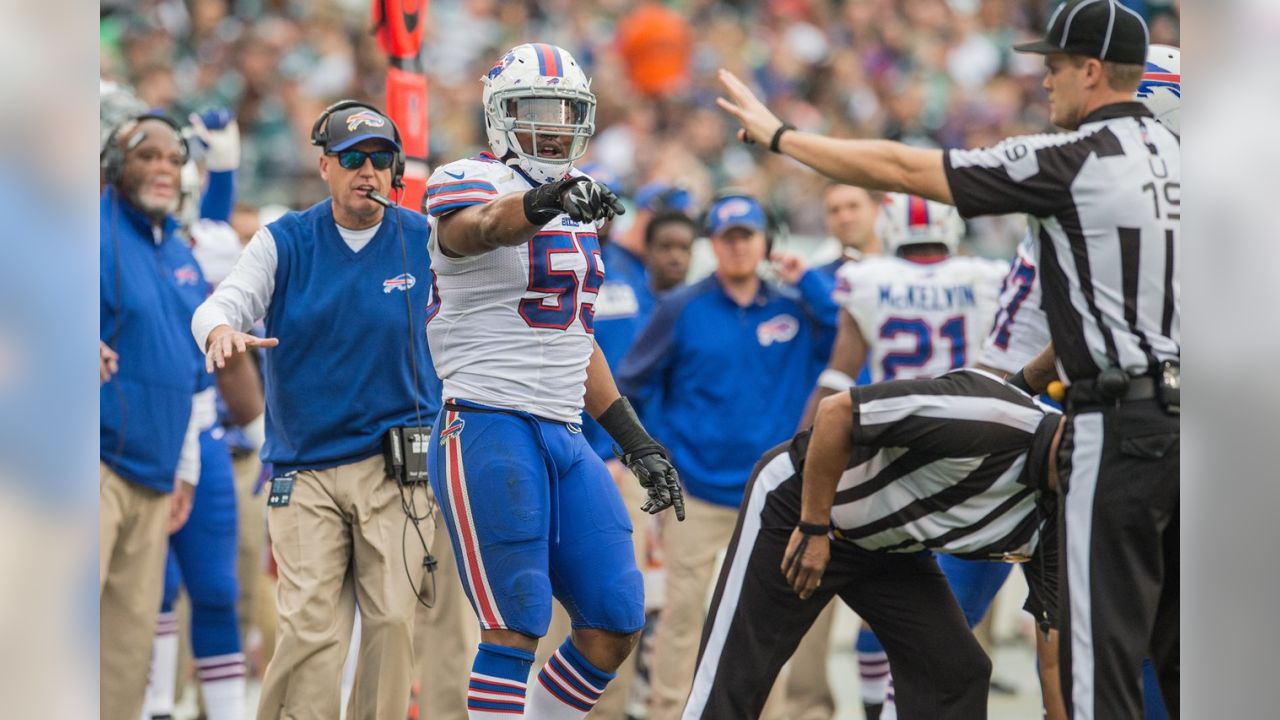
[(400, 282), (453, 430), (186, 275), (778, 329)]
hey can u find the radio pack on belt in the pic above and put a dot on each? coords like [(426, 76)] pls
[(404, 449), (1169, 386)]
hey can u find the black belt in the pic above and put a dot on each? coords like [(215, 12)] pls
[(1089, 391)]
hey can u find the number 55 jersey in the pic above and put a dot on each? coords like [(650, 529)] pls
[(512, 328), (919, 319)]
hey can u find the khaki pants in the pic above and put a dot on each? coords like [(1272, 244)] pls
[(340, 541), (690, 549), (255, 607), (613, 703), (131, 557), (808, 695), (445, 638)]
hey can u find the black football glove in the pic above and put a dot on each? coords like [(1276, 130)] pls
[(644, 457), (581, 198), (658, 477)]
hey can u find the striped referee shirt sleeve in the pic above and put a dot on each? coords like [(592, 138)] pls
[(960, 414), (1027, 174)]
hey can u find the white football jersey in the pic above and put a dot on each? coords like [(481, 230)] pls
[(1021, 329), (920, 319), (512, 328)]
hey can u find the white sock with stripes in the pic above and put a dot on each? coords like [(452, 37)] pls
[(890, 711), (223, 686), (164, 668), (873, 670), (498, 682), (568, 686)]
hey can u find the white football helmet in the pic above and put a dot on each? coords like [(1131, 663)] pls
[(1161, 86), (537, 90), (911, 220)]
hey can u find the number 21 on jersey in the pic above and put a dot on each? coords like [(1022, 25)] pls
[(564, 268), (919, 331)]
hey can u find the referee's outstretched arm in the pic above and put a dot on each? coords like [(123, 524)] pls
[(873, 164)]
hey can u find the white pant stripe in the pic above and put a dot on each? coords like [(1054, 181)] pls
[(1086, 458), (771, 476)]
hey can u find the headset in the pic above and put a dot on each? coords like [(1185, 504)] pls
[(773, 227), (320, 135), (113, 155)]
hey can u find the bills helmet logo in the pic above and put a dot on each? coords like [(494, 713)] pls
[(186, 275), (501, 65), (778, 329), (1157, 77), (400, 282), (367, 118), (453, 430)]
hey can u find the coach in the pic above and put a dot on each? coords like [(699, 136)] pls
[(1103, 203), (343, 289), (149, 446)]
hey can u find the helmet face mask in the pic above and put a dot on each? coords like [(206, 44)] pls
[(537, 93)]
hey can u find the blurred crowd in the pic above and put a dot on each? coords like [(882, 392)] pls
[(928, 72)]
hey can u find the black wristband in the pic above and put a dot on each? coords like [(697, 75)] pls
[(1019, 380), (622, 424), (813, 528), (542, 204), (777, 136)]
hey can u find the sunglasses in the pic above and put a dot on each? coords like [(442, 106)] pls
[(354, 159)]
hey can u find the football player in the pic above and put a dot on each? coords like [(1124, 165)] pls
[(531, 510)]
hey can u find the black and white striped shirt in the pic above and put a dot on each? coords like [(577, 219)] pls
[(1105, 204), (952, 464)]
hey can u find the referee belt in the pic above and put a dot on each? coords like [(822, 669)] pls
[(1089, 392)]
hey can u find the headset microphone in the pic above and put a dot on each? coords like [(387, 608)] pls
[(381, 199)]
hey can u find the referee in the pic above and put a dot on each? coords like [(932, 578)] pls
[(1103, 204), (953, 464)]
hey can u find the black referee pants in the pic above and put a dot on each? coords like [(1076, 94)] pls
[(1120, 542), (756, 620)]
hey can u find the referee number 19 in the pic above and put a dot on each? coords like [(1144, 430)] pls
[(1166, 195)]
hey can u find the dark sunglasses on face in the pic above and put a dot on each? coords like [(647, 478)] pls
[(354, 159)]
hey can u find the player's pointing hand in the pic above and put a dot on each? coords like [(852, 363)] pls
[(758, 123)]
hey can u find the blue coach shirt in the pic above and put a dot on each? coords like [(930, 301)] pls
[(343, 374), (149, 288), (725, 383), (622, 307)]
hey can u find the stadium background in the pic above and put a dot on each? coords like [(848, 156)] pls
[(935, 73)]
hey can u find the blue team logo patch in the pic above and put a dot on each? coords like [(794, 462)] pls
[(186, 275), (400, 282), (452, 431), (778, 329), (365, 117)]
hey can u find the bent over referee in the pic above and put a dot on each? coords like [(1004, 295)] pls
[(1103, 202)]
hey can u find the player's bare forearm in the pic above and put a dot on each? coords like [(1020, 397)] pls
[(601, 391), (478, 229), (872, 164), (847, 355), (1041, 370), (830, 446)]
